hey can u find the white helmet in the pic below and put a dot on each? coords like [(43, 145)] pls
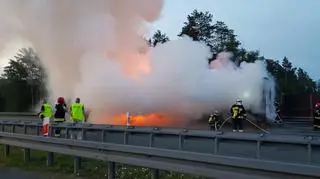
[(239, 102)]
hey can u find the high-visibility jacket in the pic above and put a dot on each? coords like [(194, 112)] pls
[(77, 113), (212, 119), (238, 112), (47, 112)]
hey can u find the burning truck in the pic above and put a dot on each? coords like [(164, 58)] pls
[(261, 109), (205, 96)]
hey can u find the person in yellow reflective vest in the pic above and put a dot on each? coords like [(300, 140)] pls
[(46, 114), (77, 111), (238, 114), (77, 114)]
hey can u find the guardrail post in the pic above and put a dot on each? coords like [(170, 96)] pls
[(51, 130), (151, 140), (50, 159), (13, 128), (102, 135), (258, 149), (76, 164), (25, 129), (111, 170), (67, 133), (125, 135), (216, 145), (26, 155), (38, 130), (181, 138), (155, 174), (6, 150), (83, 133), (309, 153)]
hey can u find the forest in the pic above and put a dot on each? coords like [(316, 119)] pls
[(22, 83)]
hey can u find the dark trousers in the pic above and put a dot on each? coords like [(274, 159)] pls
[(57, 132), (237, 124)]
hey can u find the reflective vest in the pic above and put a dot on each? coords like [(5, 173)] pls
[(47, 112), (237, 112), (77, 113)]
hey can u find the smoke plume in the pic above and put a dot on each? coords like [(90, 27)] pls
[(94, 50)]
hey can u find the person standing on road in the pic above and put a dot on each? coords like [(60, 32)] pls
[(214, 121), (46, 114), (60, 113), (78, 115), (238, 114), (316, 117)]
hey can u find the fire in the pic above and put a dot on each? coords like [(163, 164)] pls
[(150, 120)]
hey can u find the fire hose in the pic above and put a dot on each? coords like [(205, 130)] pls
[(228, 118)]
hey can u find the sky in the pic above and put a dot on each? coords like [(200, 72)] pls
[(276, 28)]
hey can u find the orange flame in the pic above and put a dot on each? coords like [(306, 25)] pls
[(150, 120)]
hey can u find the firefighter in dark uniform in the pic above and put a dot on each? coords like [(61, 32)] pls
[(278, 118), (316, 117), (59, 115), (238, 114), (214, 121)]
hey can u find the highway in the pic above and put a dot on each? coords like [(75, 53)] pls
[(278, 152), (300, 129)]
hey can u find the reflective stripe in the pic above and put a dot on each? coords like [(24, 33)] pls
[(58, 120), (235, 111)]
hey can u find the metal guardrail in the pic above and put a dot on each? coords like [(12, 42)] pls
[(207, 165), (207, 142), (18, 114)]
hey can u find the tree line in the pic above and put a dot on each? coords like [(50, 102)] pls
[(200, 26), (22, 80)]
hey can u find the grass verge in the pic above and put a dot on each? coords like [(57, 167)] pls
[(63, 167)]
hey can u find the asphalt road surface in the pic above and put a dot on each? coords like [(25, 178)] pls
[(12, 173)]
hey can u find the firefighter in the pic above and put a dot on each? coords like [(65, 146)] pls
[(214, 122), (238, 114), (46, 115), (278, 118), (59, 115), (78, 115), (316, 117)]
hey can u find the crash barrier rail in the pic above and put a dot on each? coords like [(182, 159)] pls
[(210, 142), (207, 165), (297, 118), (18, 114)]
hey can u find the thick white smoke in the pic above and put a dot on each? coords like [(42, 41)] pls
[(94, 50)]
